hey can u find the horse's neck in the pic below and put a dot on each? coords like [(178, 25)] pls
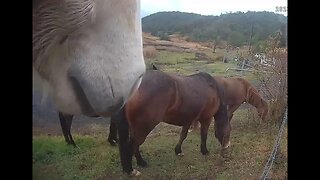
[(254, 98)]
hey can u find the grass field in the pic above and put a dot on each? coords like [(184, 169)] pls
[(185, 63), (251, 143)]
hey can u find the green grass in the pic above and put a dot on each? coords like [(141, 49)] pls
[(184, 63), (53, 159), (251, 145), (171, 58)]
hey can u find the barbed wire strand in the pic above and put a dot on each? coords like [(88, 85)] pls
[(269, 164)]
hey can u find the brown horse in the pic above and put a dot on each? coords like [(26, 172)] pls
[(176, 100), (237, 91)]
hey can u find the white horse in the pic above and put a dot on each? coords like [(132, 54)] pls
[(89, 52)]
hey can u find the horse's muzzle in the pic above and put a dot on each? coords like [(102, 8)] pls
[(103, 98)]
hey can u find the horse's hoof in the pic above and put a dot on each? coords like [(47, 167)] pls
[(180, 154), (135, 173), (227, 145), (205, 152), (177, 150), (142, 163), (113, 142)]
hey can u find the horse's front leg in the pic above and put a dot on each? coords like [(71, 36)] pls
[(183, 136), (204, 134), (112, 138), (66, 122)]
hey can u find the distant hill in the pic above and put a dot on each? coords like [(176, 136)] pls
[(234, 28)]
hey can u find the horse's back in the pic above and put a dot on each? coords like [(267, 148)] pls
[(173, 98)]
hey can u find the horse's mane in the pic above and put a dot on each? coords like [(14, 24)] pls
[(253, 96)]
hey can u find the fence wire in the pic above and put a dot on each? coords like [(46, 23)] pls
[(269, 164)]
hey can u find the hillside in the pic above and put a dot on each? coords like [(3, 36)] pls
[(233, 28)]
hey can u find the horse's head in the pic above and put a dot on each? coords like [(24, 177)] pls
[(89, 52), (222, 127), (263, 109), (256, 100)]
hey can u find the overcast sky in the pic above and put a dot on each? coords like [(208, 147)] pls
[(210, 7)]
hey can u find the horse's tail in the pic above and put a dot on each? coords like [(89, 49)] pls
[(221, 117), (220, 90), (222, 113)]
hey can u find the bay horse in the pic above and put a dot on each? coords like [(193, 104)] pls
[(173, 99), (177, 100), (237, 91), (89, 52)]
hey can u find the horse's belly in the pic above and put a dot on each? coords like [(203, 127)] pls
[(178, 121)]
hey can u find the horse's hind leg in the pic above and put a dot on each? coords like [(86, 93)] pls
[(204, 134), (69, 123), (139, 134), (112, 138), (66, 121), (183, 135), (138, 156)]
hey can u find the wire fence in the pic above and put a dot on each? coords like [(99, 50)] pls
[(272, 157)]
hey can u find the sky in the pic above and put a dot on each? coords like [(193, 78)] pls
[(211, 7)]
